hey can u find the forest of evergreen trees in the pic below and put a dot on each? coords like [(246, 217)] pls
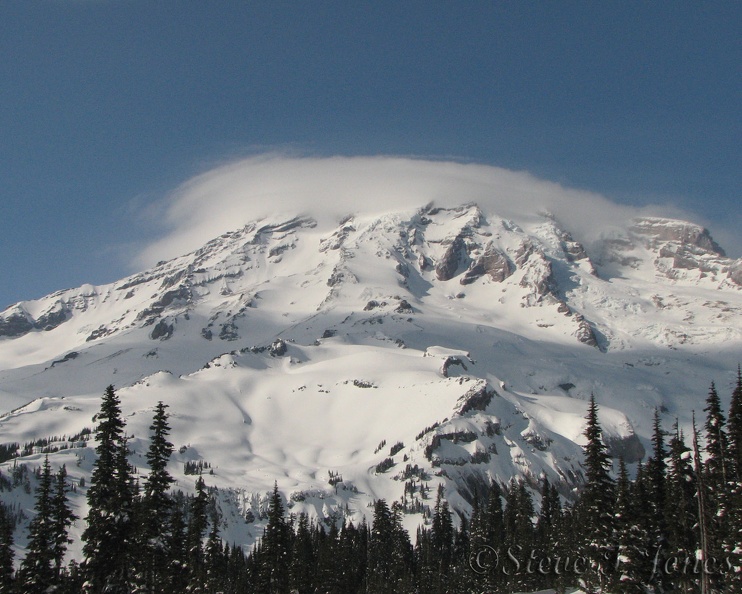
[(676, 527)]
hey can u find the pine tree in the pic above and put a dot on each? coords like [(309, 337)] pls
[(462, 575), (480, 550), (197, 525), (717, 443), (216, 563), (546, 531), (275, 557), (682, 511), (303, 558), (107, 538), (657, 478), (596, 501), (717, 472), (354, 550), (37, 569), (156, 505), (62, 518), (329, 564), (176, 546), (735, 427), (733, 537), (6, 550), (389, 552), (441, 537), (632, 565), (519, 533), (704, 517), (548, 516)]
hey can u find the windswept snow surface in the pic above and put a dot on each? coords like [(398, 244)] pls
[(437, 346)]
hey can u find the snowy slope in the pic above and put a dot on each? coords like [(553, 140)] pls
[(448, 345)]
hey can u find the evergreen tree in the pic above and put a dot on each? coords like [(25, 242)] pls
[(705, 540), (735, 427), (682, 511), (494, 520), (546, 533), (717, 444), (215, 561), (630, 568), (656, 479), (197, 526), (596, 501), (733, 537), (303, 558), (462, 575), (389, 553), (62, 518), (6, 550), (519, 534), (717, 472), (107, 538), (494, 534), (434, 549), (37, 569), (275, 553), (354, 552), (548, 517), (329, 564), (441, 538), (237, 569), (156, 505), (176, 545)]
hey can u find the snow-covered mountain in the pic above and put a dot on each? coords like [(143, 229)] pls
[(436, 346)]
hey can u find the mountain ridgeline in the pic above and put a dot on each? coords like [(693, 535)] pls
[(392, 357)]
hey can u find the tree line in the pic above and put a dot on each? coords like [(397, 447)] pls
[(675, 527)]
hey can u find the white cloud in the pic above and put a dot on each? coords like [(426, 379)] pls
[(230, 196)]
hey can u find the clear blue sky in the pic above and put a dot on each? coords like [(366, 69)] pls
[(105, 106)]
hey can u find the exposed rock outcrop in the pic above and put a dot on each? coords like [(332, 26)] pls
[(629, 448), (492, 262), (453, 260), (14, 325)]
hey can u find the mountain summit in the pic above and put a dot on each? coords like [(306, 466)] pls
[(436, 346)]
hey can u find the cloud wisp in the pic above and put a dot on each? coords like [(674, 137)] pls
[(328, 188)]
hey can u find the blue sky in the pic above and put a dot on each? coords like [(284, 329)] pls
[(107, 106)]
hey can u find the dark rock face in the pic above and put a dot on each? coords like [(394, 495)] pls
[(402, 269), (277, 348), (450, 361), (629, 448), (18, 323), (340, 275), (735, 272), (524, 252), (686, 257), (162, 331), (373, 304), (52, 319), (68, 357), (182, 293), (229, 331), (15, 325), (424, 263), (585, 332), (677, 231), (452, 260), (492, 262), (476, 399), (403, 307), (99, 332)]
